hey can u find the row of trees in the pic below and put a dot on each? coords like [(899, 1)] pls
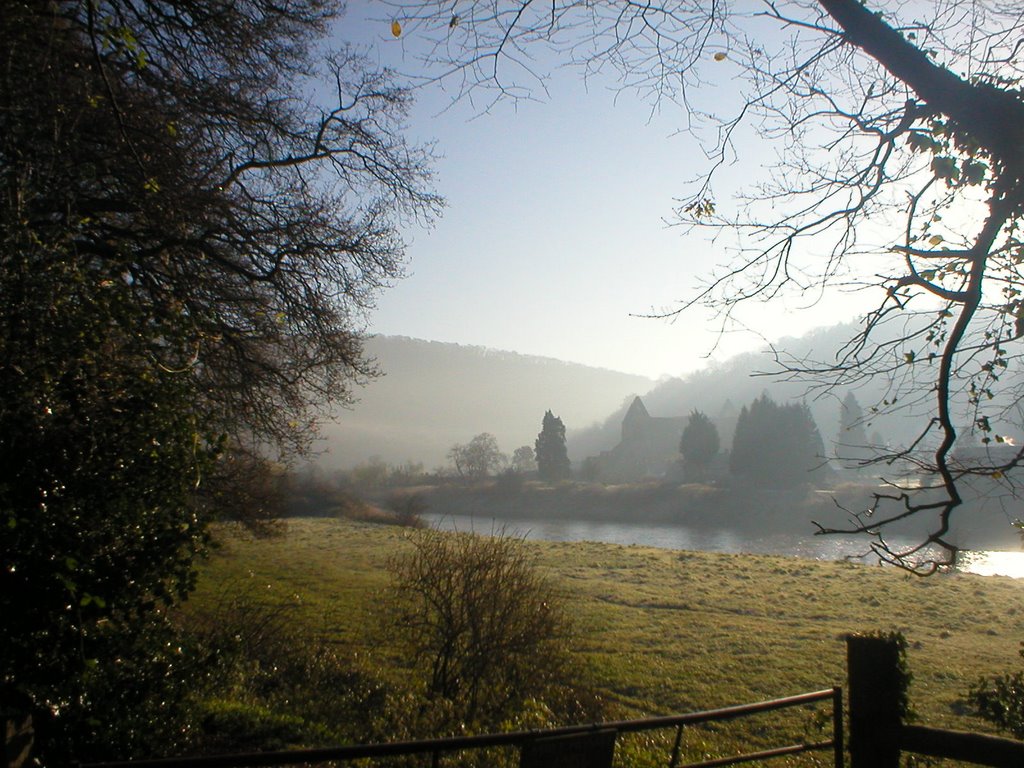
[(773, 445), (481, 456), (776, 444)]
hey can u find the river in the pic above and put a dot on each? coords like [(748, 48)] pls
[(986, 563)]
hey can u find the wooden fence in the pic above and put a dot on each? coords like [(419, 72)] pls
[(878, 733), (589, 745), (877, 709)]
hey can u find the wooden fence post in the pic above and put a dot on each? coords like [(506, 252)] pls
[(877, 690)]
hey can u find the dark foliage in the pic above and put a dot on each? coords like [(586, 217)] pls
[(188, 240), (101, 455), (699, 443), (1000, 700), (776, 445), (550, 451)]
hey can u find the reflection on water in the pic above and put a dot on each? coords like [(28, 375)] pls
[(993, 563), (715, 540)]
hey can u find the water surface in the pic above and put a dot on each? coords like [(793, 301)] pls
[(987, 563)]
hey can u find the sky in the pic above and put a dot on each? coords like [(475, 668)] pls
[(555, 240)]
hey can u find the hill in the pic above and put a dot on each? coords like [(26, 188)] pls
[(433, 395), (723, 388)]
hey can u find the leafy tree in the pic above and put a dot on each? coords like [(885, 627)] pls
[(100, 518), (372, 473), (552, 455), (776, 445), (523, 459), (187, 245), (901, 120), (699, 443), (485, 625), (852, 441), (478, 458)]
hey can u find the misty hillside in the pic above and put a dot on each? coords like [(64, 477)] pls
[(723, 388), (434, 395)]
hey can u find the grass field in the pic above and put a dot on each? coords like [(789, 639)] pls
[(668, 631)]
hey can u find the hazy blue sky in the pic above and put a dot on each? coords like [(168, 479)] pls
[(554, 239)]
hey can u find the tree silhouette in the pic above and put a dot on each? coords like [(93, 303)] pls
[(478, 458), (699, 443), (852, 444), (191, 236), (551, 453), (776, 445), (523, 459)]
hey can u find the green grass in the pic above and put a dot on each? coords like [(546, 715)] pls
[(669, 631)]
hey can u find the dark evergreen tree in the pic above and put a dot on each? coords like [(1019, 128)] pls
[(699, 443), (552, 456), (776, 445), (852, 444)]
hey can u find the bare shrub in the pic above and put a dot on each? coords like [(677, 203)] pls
[(486, 628), (408, 508)]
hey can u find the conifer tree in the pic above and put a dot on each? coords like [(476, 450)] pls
[(552, 455), (699, 443), (776, 445), (852, 442)]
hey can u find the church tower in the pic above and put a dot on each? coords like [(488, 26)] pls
[(636, 423)]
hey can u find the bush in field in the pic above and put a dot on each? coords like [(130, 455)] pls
[(1000, 700), (486, 628)]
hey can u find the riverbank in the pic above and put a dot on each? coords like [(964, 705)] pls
[(748, 511), (804, 544)]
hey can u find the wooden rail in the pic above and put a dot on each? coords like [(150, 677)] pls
[(976, 748), (436, 747)]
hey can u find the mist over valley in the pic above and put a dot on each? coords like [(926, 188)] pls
[(433, 395), (622, 438)]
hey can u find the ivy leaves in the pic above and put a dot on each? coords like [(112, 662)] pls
[(957, 160)]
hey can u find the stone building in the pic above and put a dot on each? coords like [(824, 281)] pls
[(649, 447)]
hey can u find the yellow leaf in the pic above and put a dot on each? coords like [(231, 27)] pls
[(997, 475), (396, 28), (935, 239), (719, 56)]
